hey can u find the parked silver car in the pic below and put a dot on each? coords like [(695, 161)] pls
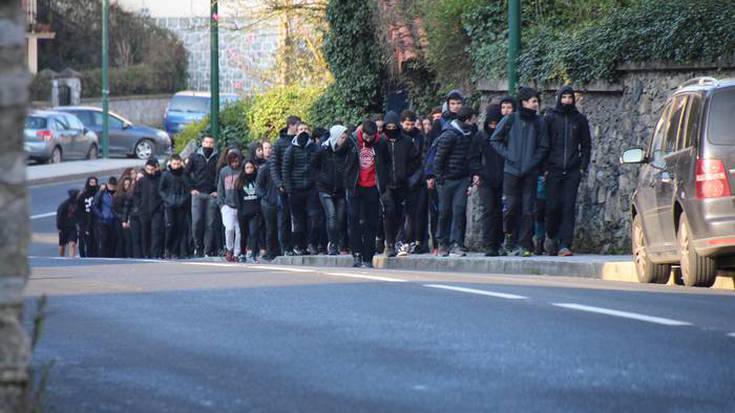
[(51, 136)]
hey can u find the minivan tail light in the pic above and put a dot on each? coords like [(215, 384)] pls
[(46, 135), (712, 179)]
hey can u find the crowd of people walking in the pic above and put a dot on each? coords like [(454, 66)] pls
[(396, 184)]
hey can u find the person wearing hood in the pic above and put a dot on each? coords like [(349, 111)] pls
[(229, 202), (298, 179), (415, 216), (522, 140), (66, 223), (249, 213), (107, 222), (150, 209), (201, 175), (329, 166), (268, 196), (85, 219), (285, 137), (366, 175), (454, 166), (403, 160), (491, 183), (255, 152), (569, 158), (174, 190)]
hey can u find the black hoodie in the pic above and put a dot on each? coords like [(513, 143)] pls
[(84, 204), (67, 214), (492, 163), (279, 149), (403, 156), (174, 189), (569, 137), (147, 197)]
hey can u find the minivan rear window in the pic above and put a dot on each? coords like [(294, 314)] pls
[(190, 104), (35, 122), (721, 123)]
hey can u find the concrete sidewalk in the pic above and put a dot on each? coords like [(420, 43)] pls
[(73, 170), (604, 267)]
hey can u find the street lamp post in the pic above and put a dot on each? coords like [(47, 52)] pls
[(105, 78), (514, 43), (214, 69)]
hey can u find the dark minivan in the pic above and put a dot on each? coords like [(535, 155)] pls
[(683, 208)]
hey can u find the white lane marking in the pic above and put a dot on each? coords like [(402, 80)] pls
[(623, 314), (479, 292), (89, 259), (269, 267), (367, 277), (209, 264), (46, 215), (731, 335)]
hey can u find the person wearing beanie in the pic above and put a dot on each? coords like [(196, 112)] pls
[(102, 208), (66, 223), (415, 216), (569, 158), (201, 175), (403, 160), (175, 190), (522, 140), (329, 167), (366, 175), (491, 183), (285, 138), (298, 179), (455, 168)]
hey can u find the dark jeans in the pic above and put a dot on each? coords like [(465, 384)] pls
[(87, 241), (284, 222), (334, 212), (152, 235), (393, 201), (107, 237), (491, 215), (124, 247), (250, 232), (561, 206), (520, 200), (433, 216), (203, 219), (175, 219), (363, 208), (270, 221), (305, 217), (416, 219), (452, 211), (136, 234)]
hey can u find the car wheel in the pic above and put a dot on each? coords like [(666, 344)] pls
[(145, 149), (92, 153), (55, 156), (647, 271), (696, 270)]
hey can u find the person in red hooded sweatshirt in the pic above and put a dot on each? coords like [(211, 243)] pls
[(365, 181)]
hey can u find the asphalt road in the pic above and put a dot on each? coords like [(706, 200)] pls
[(150, 336)]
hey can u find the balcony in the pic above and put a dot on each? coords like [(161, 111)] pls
[(37, 28)]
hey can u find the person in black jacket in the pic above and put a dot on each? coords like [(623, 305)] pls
[(119, 205), (150, 205), (569, 158), (286, 136), (416, 215), (86, 221), (248, 213), (403, 160), (269, 199), (365, 177), (454, 164), (491, 183), (298, 180), (201, 174), (507, 105), (329, 166), (522, 140), (174, 191), (102, 208), (66, 223)]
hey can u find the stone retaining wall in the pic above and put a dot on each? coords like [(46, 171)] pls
[(622, 115), (146, 110)]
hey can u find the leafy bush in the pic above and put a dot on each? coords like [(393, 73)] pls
[(268, 112), (232, 123)]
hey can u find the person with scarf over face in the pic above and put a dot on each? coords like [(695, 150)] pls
[(249, 213), (569, 159), (415, 216), (174, 190), (491, 183), (86, 221), (201, 175), (298, 179), (103, 210), (522, 140), (66, 223), (229, 201), (150, 209), (329, 166), (366, 173), (403, 160), (286, 136)]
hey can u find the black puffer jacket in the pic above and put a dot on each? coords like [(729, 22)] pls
[(569, 137), (173, 189), (146, 196), (352, 167), (521, 139), (201, 171), (329, 167), (297, 165), (279, 150), (264, 187), (454, 158)]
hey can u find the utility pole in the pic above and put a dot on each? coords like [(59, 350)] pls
[(105, 78), (214, 69), (514, 43)]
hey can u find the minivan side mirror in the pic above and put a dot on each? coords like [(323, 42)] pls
[(633, 156), (126, 125)]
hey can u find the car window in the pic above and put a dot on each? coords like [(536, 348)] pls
[(678, 108), (85, 117), (196, 104), (721, 119), (690, 128), (36, 122), (60, 124), (97, 119), (115, 122), (658, 132), (73, 122)]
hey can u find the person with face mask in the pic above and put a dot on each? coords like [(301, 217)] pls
[(298, 179), (86, 220), (66, 223), (201, 175), (366, 174), (248, 213), (102, 208), (569, 159), (415, 218), (148, 199), (174, 191), (329, 166)]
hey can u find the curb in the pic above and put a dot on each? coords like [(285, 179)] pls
[(73, 176)]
